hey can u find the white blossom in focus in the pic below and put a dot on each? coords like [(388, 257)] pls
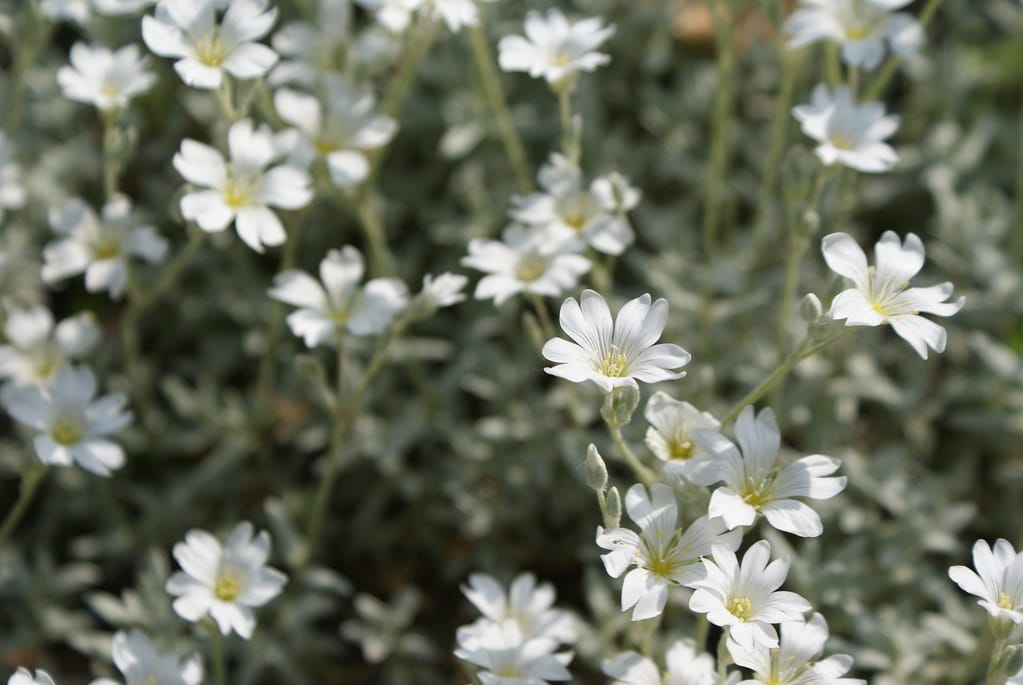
[(614, 354), (669, 435), (36, 349), (71, 426), (138, 660), (997, 581), (99, 247), (554, 48), (881, 293), (662, 553), (848, 133), (338, 304), (24, 677), (224, 581), (527, 603), (686, 666), (206, 48), (242, 190), (103, 78), (862, 28), (507, 657)]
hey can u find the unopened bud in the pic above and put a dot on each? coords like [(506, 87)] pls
[(1010, 661), (1001, 627), (613, 508), (596, 470), (619, 405), (810, 308)]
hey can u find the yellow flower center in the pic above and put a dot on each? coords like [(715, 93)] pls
[(680, 448), (530, 267), (106, 249), (576, 210), (614, 363), (1004, 601), (227, 587), (740, 607), (324, 146), (842, 141), (67, 430), (239, 191), (209, 50)]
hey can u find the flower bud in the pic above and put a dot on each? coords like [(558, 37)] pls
[(1010, 661), (1001, 627), (810, 308), (596, 470), (613, 508), (619, 405)]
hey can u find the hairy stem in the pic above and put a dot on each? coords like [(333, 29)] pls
[(721, 130), (31, 478), (892, 64), (645, 475)]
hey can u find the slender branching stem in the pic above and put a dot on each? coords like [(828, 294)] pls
[(31, 478), (645, 475), (892, 64)]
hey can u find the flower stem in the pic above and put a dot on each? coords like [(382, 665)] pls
[(702, 628), (891, 66), (111, 158), (169, 276), (723, 658), (569, 144), (219, 660), (721, 128), (381, 259), (645, 475), (30, 481), (542, 315), (994, 674), (1019, 190), (499, 106)]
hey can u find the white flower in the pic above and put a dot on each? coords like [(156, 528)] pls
[(618, 354), (794, 662), (12, 192), (686, 666), (860, 27), (881, 293), (339, 304), (526, 603), (744, 598), (226, 581), (310, 50), (138, 660), (554, 48), (24, 677), (615, 193), (849, 133), (99, 247), (71, 426), (76, 11), (242, 190), (443, 290), (524, 261), (341, 133), (394, 15), (188, 29), (569, 210), (756, 484), (509, 658), (104, 78), (37, 349), (662, 553), (998, 580), (672, 424)]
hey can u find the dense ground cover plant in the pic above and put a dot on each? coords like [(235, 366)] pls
[(446, 341)]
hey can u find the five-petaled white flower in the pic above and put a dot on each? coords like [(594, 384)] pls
[(662, 553), (341, 133), (686, 666), (567, 209), (12, 192), (104, 78), (224, 581), (614, 354), (242, 190), (670, 434), (554, 48), (794, 662), (508, 657), (338, 305), (526, 602), (860, 27), (24, 677), (525, 261), (850, 134), (38, 349), (881, 293), (756, 484), (99, 247), (188, 29), (745, 598), (998, 580), (138, 660), (72, 427)]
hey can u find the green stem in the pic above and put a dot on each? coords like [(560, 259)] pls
[(994, 674), (30, 480), (700, 637), (569, 144), (645, 475), (832, 65), (724, 658), (892, 64), (721, 129), (499, 106), (219, 660), (1019, 189), (111, 157), (542, 315), (382, 262), (169, 276), (225, 98)]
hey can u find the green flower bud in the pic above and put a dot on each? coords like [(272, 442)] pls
[(596, 470), (619, 405), (613, 508)]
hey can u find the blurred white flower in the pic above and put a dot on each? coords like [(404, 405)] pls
[(341, 133), (99, 247), (242, 190), (618, 354), (567, 209), (507, 657), (443, 290), (394, 15), (24, 677), (339, 304), (104, 78), (756, 484), (309, 50), (669, 435), (881, 293), (37, 349), (12, 192), (206, 48), (998, 580), (686, 666), (226, 581), (76, 11), (850, 134), (745, 598), (662, 553), (793, 662), (525, 261), (526, 602), (138, 660), (72, 427), (554, 48), (860, 27)]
